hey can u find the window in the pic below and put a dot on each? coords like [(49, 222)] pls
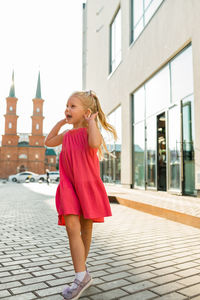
[(182, 75), (22, 156), (36, 143), (139, 105), (115, 42), (139, 155), (36, 156), (51, 160), (141, 12), (37, 126), (174, 147), (158, 92), (25, 173), (11, 108), (111, 168), (151, 151), (9, 125), (37, 109)]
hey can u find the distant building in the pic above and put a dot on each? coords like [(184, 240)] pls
[(142, 59), (50, 159), (20, 152)]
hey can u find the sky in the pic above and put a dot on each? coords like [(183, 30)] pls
[(45, 36)]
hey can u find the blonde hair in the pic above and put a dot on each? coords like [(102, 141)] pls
[(90, 100)]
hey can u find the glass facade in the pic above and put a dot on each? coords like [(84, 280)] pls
[(139, 155), (141, 12), (182, 75), (174, 146), (158, 92), (151, 151), (115, 42), (163, 135), (138, 137), (111, 166), (188, 145)]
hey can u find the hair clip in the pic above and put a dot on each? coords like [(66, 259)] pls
[(88, 93)]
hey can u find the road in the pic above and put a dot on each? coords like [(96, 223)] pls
[(133, 255)]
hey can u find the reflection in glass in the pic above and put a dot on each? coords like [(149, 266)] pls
[(139, 155), (138, 10), (139, 105), (146, 3), (174, 148), (115, 42), (158, 92), (111, 167), (182, 75), (151, 152), (138, 29), (151, 9), (188, 148)]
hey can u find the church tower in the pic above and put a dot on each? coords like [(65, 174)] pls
[(10, 137), (36, 139)]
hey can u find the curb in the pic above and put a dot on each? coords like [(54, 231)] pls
[(158, 211)]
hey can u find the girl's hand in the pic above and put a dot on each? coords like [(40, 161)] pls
[(62, 122), (91, 117)]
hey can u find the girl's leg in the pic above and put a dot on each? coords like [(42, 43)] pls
[(77, 247), (86, 234)]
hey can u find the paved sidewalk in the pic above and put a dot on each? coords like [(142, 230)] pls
[(183, 209), (133, 255)]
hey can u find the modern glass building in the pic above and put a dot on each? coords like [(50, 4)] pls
[(163, 128), (142, 59)]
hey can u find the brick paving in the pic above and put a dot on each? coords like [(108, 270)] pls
[(133, 255)]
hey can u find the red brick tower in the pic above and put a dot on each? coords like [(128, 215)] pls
[(36, 139), (10, 138)]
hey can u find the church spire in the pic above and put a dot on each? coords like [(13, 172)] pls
[(12, 88), (38, 91)]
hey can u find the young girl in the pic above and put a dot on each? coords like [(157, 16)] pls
[(81, 197)]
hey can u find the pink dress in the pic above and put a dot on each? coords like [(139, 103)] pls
[(81, 190)]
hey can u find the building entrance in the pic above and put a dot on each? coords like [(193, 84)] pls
[(161, 152)]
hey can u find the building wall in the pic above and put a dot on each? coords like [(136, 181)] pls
[(10, 162), (50, 162), (175, 24)]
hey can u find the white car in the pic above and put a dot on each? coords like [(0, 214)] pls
[(23, 177), (53, 176)]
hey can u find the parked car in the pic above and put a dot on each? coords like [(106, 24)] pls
[(53, 176), (23, 177)]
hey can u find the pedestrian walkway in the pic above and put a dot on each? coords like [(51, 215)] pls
[(183, 209), (133, 255)]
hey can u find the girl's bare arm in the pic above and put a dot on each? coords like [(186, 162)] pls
[(53, 138), (94, 134)]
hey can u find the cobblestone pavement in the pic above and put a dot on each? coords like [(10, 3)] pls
[(133, 255)]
